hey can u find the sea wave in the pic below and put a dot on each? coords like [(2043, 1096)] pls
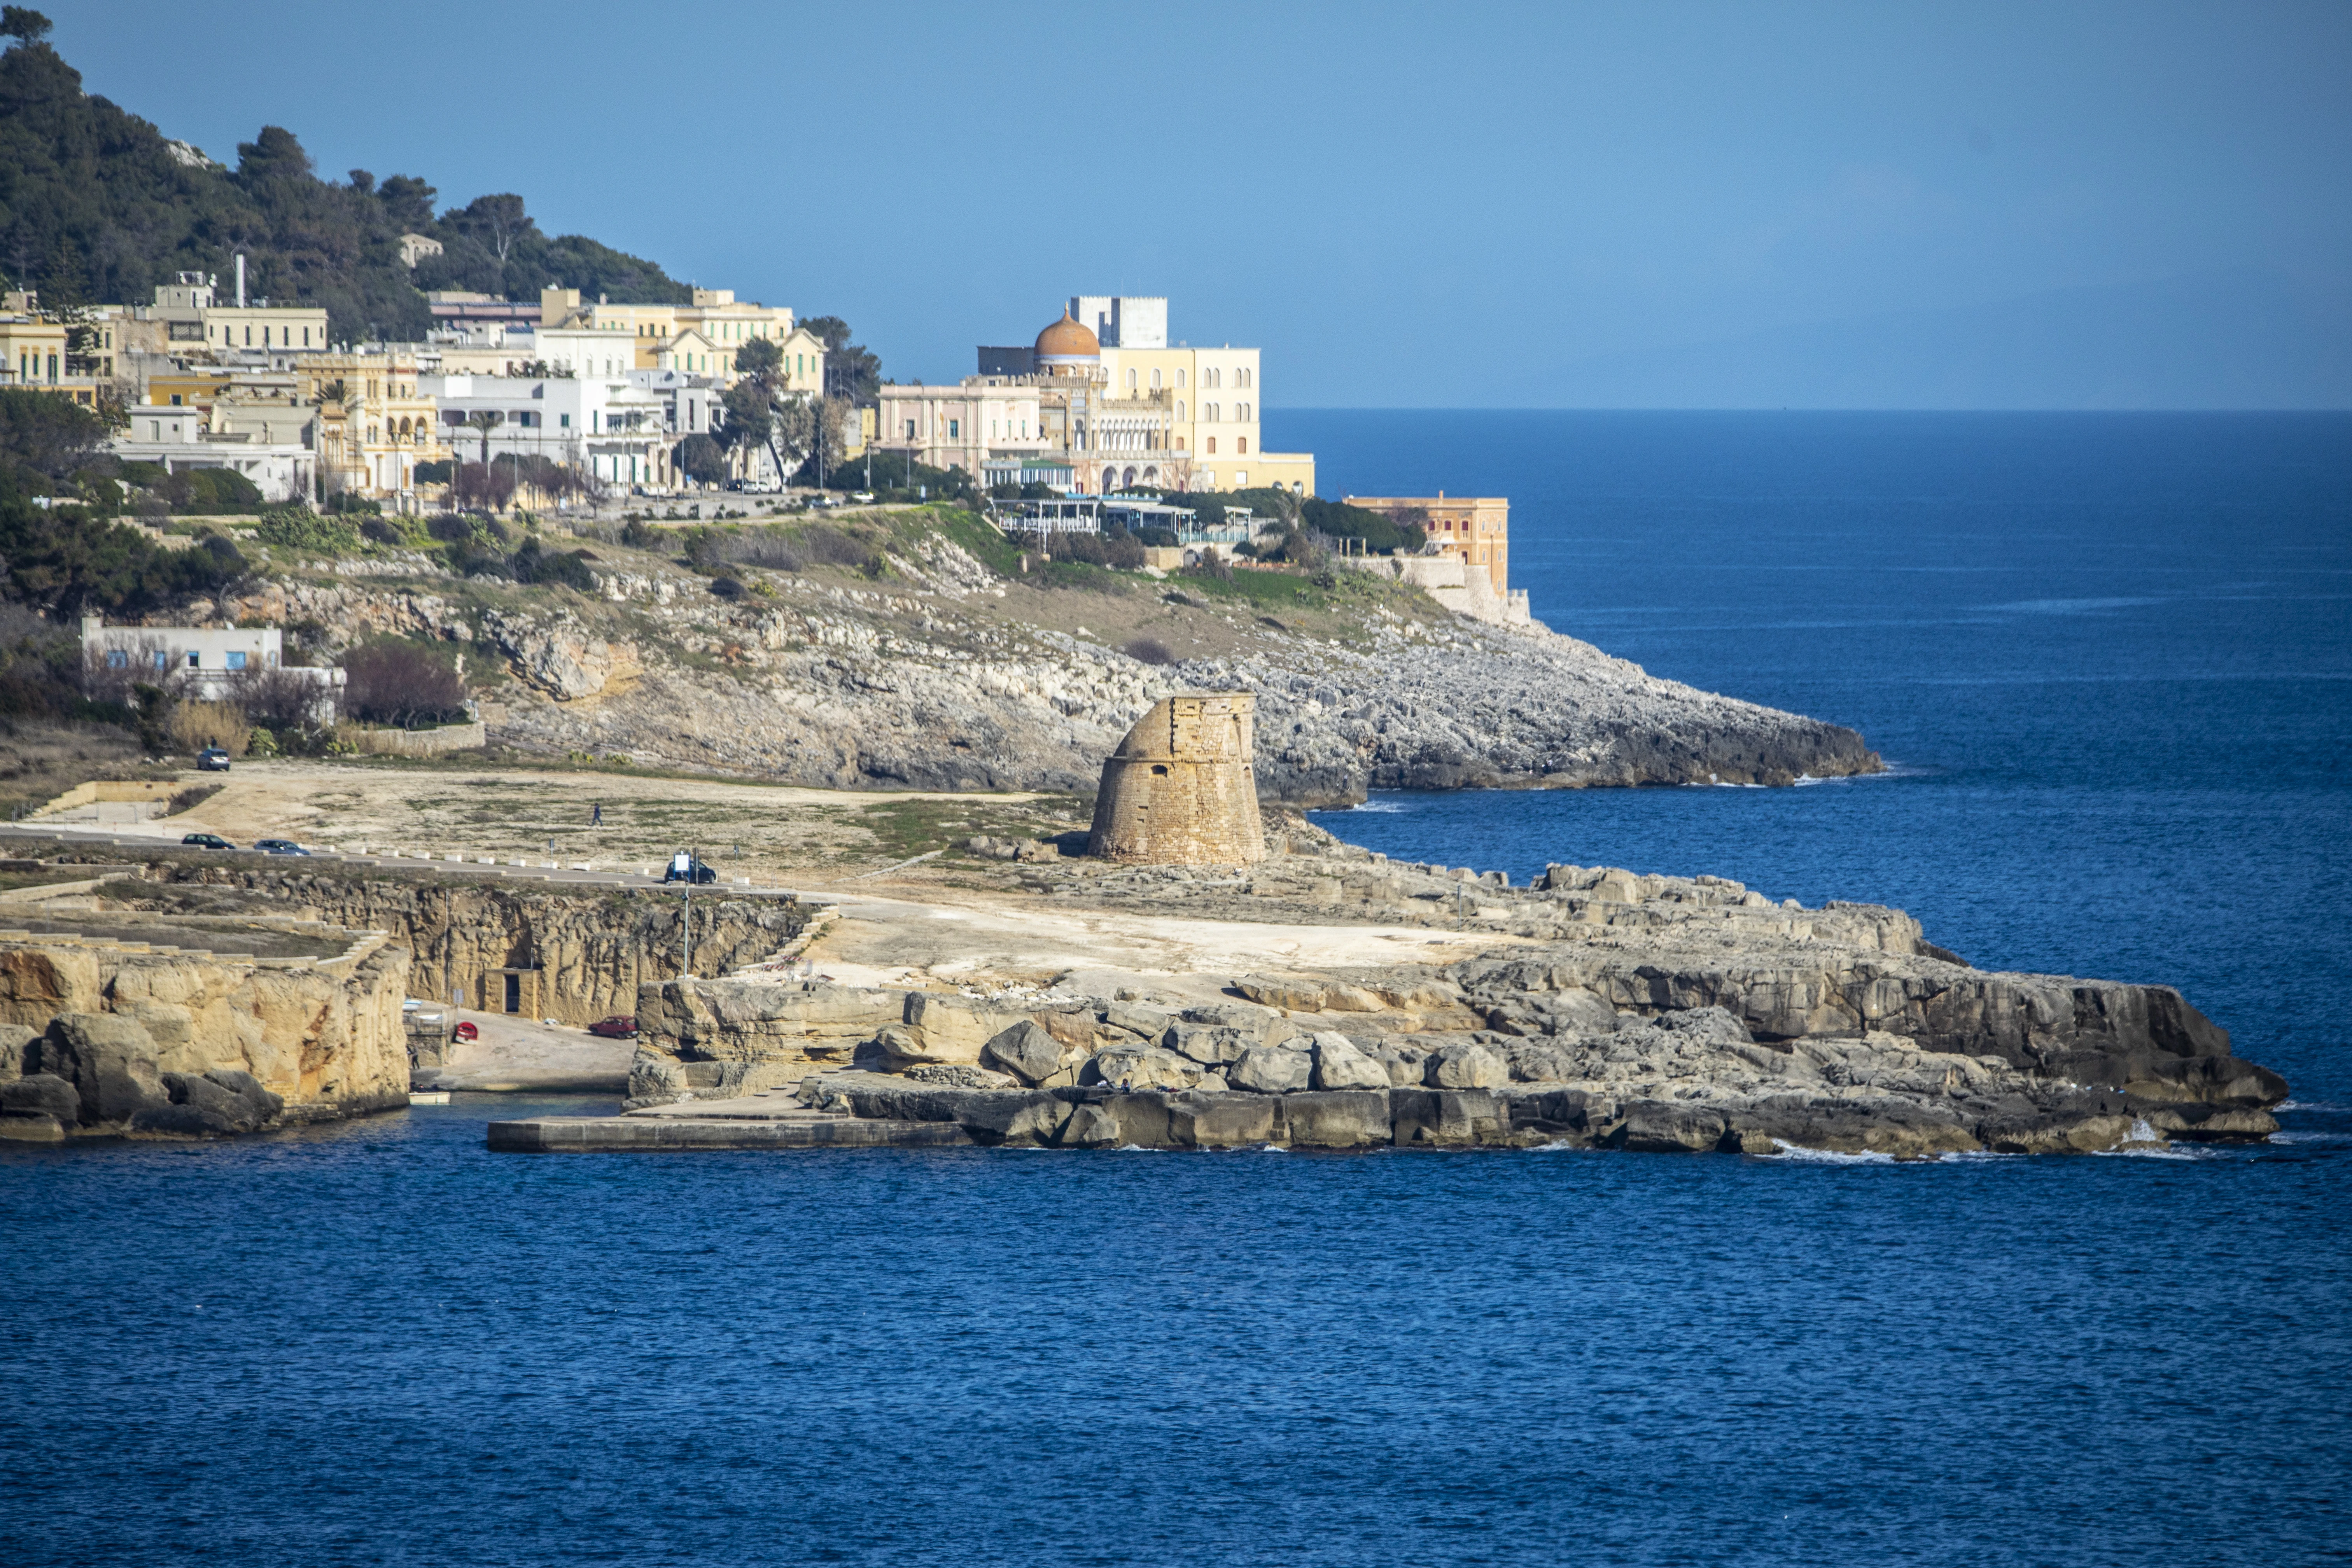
[(1795, 1155)]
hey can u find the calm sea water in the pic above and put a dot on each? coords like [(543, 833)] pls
[(2109, 658)]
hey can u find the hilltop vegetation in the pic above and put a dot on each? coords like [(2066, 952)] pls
[(97, 205)]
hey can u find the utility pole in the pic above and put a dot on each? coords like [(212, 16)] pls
[(686, 968)]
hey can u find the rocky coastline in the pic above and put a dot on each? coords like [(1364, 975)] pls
[(1635, 1012)]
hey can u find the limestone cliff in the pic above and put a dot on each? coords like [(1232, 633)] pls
[(593, 948), (104, 1037)]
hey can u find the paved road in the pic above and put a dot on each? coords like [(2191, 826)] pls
[(535, 870)]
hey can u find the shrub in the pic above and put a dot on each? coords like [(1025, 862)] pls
[(1148, 650), (830, 547), (382, 530), (640, 535), (436, 473), (1211, 565), (401, 683), (300, 528), (726, 588), (532, 565), (195, 725), (201, 490), (1116, 549), (281, 698)]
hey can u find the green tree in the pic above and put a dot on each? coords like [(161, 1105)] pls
[(762, 358), (852, 371), (702, 459), (79, 175)]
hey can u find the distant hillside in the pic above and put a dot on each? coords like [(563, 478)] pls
[(97, 207)]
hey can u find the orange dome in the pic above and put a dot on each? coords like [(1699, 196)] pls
[(1066, 339)]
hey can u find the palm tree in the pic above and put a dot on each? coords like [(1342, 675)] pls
[(486, 420)]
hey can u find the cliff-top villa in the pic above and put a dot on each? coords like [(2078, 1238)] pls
[(1102, 390)]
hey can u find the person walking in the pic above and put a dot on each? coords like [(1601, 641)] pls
[(596, 815)]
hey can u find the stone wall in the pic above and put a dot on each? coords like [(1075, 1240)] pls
[(1182, 789), (431, 742)]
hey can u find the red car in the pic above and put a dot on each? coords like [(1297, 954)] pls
[(619, 1027)]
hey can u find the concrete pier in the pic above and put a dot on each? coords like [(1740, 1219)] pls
[(624, 1135)]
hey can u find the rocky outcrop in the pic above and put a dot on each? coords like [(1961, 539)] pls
[(923, 680), (1671, 1014), (557, 656), (107, 1038)]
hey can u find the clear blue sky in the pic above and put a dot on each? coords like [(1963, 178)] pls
[(1424, 204)]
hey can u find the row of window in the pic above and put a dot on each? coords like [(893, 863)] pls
[(1209, 378), (120, 659), (285, 337)]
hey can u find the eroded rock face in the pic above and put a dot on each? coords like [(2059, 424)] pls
[(593, 950), (196, 1045)]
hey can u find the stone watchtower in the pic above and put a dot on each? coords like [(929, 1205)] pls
[(1179, 790)]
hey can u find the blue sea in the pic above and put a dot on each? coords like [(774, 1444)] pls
[(2107, 661)]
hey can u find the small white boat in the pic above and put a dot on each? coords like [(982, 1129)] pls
[(428, 1097)]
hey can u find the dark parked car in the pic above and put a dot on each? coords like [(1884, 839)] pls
[(205, 841), (278, 846), (619, 1027), (684, 868), (211, 760)]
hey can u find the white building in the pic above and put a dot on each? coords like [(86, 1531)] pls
[(609, 429), (207, 661), (176, 438), (1123, 321)]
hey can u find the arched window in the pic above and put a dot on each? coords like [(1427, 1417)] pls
[(1179, 443), (1241, 445), (1155, 381), (1180, 408), (1131, 379), (1180, 378), (1211, 447), (1110, 481)]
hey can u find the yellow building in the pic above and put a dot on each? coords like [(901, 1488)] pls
[(375, 426), (722, 323), (1477, 528), (33, 353), (186, 318), (1149, 414)]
